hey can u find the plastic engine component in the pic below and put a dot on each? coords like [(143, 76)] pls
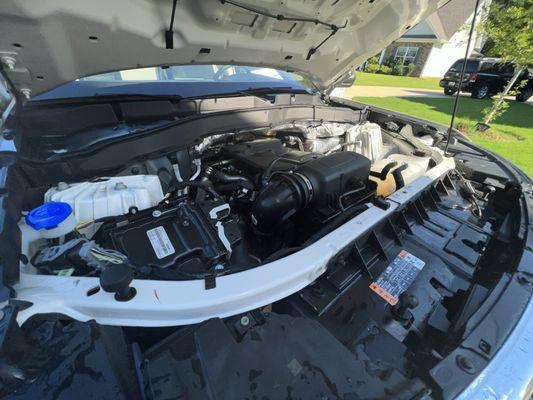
[(48, 216), (365, 139), (396, 171), (48, 221), (256, 156), (319, 183), (189, 237), (107, 197)]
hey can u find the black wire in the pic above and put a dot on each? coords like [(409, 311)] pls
[(268, 171), (280, 17), (349, 193), (313, 50), (461, 77), (200, 185)]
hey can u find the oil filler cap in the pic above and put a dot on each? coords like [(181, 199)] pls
[(49, 215)]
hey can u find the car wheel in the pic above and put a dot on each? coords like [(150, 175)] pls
[(480, 92), (524, 95), (449, 92)]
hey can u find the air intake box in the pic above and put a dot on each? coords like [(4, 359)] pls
[(334, 175), (318, 186)]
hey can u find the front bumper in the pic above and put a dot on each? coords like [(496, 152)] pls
[(452, 84), (447, 84)]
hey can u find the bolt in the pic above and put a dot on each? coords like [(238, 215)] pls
[(8, 134), (62, 186), (245, 321), (484, 346), (185, 223), (465, 364), (9, 62), (26, 92), (156, 213), (317, 290)]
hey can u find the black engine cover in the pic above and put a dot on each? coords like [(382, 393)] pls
[(257, 155)]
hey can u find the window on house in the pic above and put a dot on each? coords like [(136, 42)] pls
[(406, 54)]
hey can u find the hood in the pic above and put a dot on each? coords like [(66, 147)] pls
[(50, 42)]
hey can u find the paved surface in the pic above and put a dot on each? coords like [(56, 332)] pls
[(383, 91)]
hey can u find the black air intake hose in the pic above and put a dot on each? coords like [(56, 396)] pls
[(220, 176), (281, 198)]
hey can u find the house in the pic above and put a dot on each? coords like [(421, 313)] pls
[(435, 43)]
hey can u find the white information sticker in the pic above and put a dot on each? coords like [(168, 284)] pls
[(160, 242)]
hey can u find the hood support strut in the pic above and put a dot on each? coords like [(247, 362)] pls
[(461, 77), (169, 35)]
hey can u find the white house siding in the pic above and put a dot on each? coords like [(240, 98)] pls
[(444, 54), (441, 58)]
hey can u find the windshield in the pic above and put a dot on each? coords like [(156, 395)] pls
[(471, 66), (183, 81)]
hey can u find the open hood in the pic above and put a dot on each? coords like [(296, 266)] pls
[(47, 43)]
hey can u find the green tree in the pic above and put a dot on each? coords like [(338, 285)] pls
[(509, 27)]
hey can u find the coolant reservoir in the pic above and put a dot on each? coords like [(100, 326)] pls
[(108, 197), (397, 170)]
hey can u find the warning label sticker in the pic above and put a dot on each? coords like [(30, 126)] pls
[(398, 276), (160, 242)]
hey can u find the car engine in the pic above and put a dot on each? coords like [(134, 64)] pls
[(229, 203)]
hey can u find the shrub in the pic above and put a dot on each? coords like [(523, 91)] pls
[(410, 69), (372, 68), (397, 68), (384, 69)]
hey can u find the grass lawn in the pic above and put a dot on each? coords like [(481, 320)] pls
[(511, 135), (364, 79)]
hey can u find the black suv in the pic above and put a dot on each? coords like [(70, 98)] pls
[(485, 77)]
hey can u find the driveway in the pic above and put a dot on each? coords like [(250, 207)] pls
[(383, 91)]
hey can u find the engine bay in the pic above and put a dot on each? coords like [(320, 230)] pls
[(230, 203), (361, 236)]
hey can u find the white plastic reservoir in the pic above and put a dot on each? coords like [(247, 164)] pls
[(107, 197), (365, 139)]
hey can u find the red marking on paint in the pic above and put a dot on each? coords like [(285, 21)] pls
[(156, 296)]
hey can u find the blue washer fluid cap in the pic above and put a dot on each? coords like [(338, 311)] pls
[(49, 215)]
